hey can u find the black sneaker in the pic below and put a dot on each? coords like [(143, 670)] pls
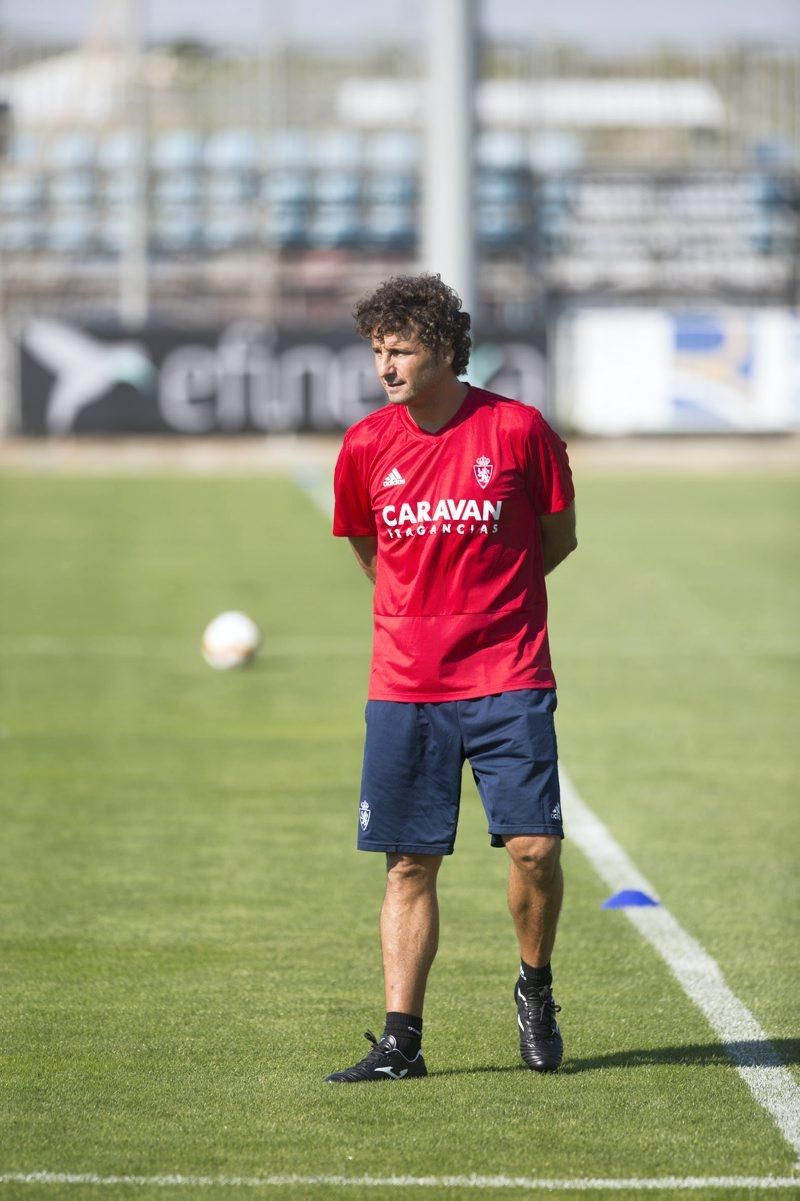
[(383, 1062), (540, 1042)]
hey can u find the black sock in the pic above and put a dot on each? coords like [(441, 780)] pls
[(407, 1030), (536, 977)]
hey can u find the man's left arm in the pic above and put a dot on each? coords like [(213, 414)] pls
[(558, 536)]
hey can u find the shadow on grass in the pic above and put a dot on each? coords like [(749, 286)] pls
[(782, 1051)]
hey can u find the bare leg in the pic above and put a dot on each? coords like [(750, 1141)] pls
[(409, 929), (535, 891)]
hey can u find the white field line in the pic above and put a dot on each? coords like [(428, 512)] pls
[(317, 485), (698, 974), (142, 646), (522, 1183)]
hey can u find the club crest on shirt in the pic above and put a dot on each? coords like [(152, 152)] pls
[(484, 470)]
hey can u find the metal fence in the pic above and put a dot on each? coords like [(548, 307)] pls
[(211, 183)]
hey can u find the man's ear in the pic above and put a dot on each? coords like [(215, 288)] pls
[(448, 354)]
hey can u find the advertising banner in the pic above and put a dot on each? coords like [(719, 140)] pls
[(241, 378), (637, 371)]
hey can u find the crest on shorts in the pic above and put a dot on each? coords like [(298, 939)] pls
[(484, 470), (364, 814)]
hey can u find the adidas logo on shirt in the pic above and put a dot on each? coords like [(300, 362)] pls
[(394, 477)]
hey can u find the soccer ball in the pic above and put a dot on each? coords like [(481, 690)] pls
[(230, 640)]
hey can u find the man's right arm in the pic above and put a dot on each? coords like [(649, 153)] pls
[(366, 553)]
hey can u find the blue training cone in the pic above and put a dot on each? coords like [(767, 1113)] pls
[(628, 898)]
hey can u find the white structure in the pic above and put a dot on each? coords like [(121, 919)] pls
[(448, 238), (552, 104)]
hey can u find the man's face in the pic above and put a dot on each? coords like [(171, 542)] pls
[(410, 372)]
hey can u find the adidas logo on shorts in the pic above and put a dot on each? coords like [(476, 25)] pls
[(394, 477)]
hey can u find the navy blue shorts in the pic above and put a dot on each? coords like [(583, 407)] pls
[(413, 759)]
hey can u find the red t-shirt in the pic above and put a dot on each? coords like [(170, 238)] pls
[(460, 605)]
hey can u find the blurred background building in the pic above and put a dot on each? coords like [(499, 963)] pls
[(183, 176)]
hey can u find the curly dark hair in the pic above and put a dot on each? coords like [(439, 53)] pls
[(422, 304)]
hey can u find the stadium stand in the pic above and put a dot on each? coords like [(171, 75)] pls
[(583, 185)]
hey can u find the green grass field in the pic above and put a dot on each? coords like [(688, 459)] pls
[(189, 939)]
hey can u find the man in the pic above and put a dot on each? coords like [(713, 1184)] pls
[(457, 503)]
